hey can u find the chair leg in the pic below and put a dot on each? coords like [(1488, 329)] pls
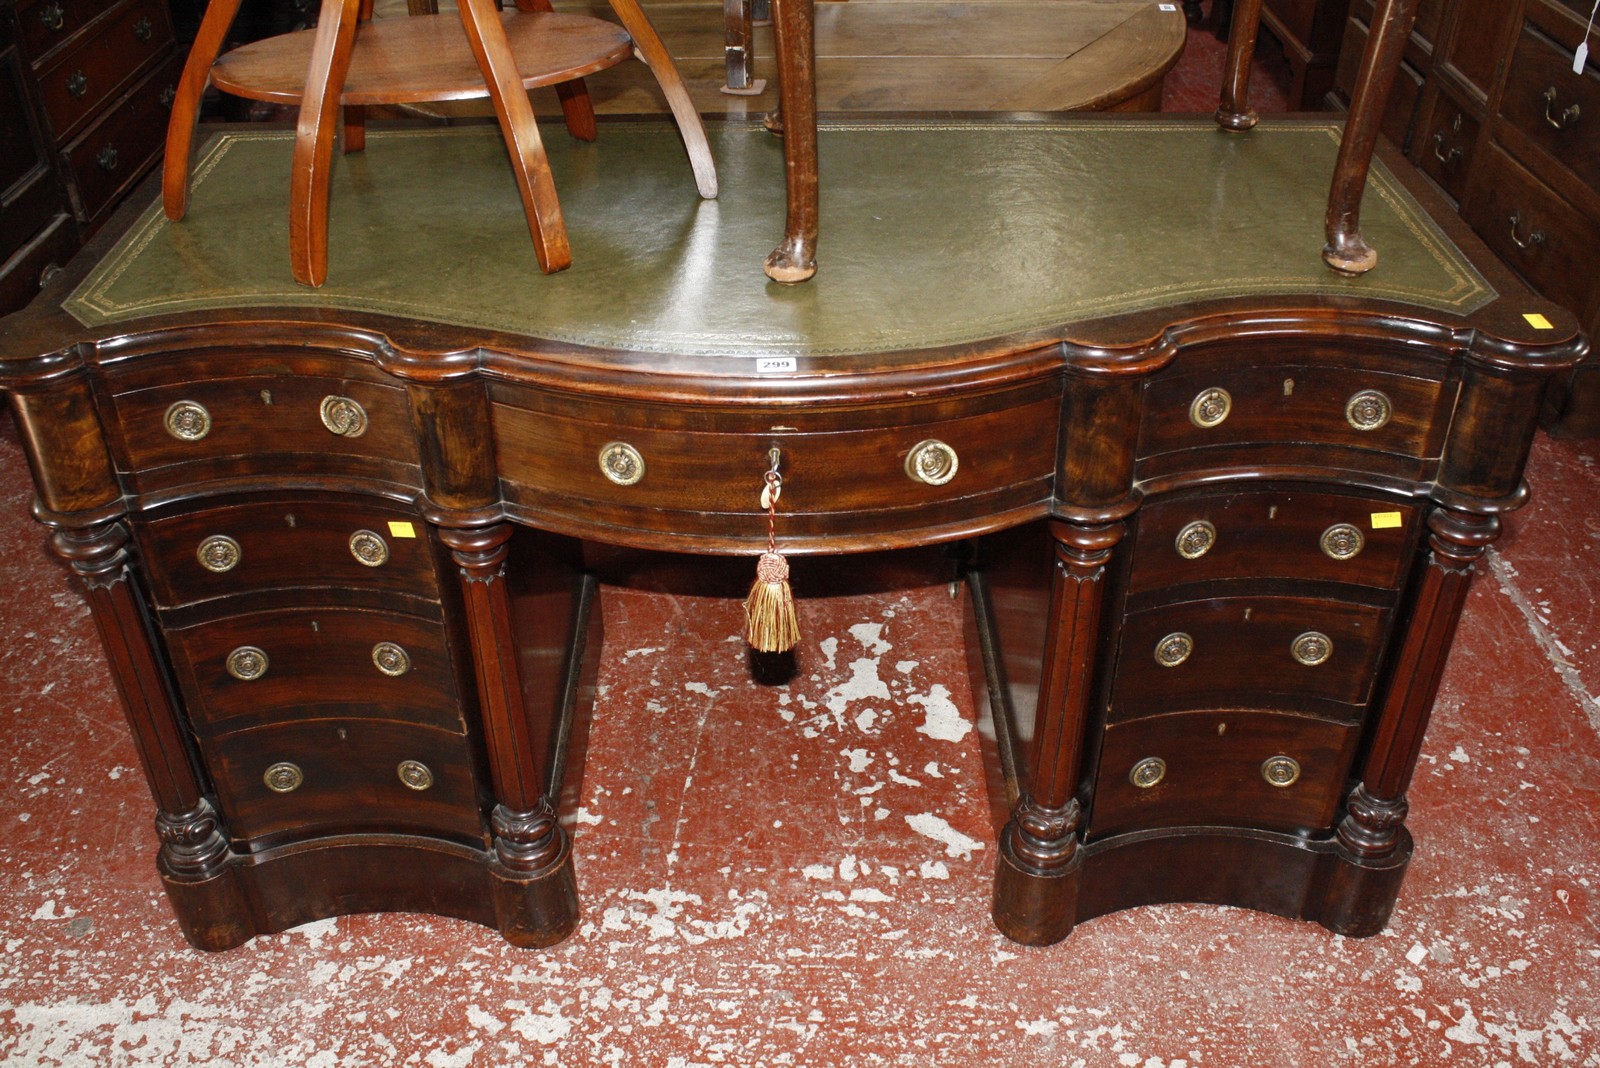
[(1346, 251), (487, 36), (355, 116), (576, 107), (186, 104), (795, 258), (313, 140), (1235, 113), (650, 49)]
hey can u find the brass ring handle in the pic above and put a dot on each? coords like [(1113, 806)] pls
[(187, 420), (1174, 649), (621, 463), (1368, 409), (1195, 539), (219, 554), (415, 774), (247, 663), (932, 462), (1342, 541), (1449, 159), (1569, 116), (283, 777), (1210, 407), (78, 84), (369, 548), (343, 416), (391, 659), (1148, 772), (1535, 238), (53, 16), (1280, 771), (1311, 648)]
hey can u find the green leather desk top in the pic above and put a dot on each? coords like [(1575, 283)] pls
[(932, 234)]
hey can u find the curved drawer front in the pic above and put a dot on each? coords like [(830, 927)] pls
[(277, 426), (308, 663), (1248, 652), (1290, 533), (283, 544), (1235, 768), (879, 470), (343, 776), (1192, 415)]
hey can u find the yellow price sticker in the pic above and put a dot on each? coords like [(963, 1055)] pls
[(1538, 322), (1386, 520), (402, 530)]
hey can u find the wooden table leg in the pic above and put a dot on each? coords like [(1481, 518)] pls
[(655, 55), (487, 36), (576, 107), (186, 104), (1346, 251), (795, 258), (313, 140), (1234, 113)]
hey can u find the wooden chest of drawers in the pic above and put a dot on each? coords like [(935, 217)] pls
[(1216, 547)]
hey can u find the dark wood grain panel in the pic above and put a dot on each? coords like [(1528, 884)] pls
[(1557, 110), (98, 66)]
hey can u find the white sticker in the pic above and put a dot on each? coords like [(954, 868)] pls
[(776, 365), (1167, 7), (1580, 58)]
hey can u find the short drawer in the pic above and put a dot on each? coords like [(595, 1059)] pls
[(311, 663), (1231, 768), (1554, 108), (286, 543), (49, 24), (1300, 653), (112, 155), (1289, 533), (1552, 244), (333, 776), (102, 64), (1190, 414), (274, 425), (1447, 146)]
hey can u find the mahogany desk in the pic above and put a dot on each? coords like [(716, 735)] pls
[(1219, 521)]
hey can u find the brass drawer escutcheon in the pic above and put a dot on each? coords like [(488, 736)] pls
[(343, 416), (1210, 407), (369, 548), (621, 463), (1311, 648), (219, 554), (283, 778), (1280, 771), (932, 462), (415, 774), (1196, 539), (391, 659), (1342, 541), (1148, 772), (247, 663), (1368, 410), (1174, 649), (187, 421)]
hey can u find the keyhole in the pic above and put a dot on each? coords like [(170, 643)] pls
[(1288, 387)]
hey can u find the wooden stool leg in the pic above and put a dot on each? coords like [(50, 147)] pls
[(1235, 113), (795, 258), (655, 55), (355, 116), (1346, 251), (186, 104), (576, 107), (487, 35), (313, 141)]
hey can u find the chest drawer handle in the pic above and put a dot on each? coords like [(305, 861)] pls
[(1534, 238), (1195, 539), (932, 462), (621, 463), (53, 17), (343, 416), (187, 421), (107, 159), (391, 659), (283, 778), (1342, 541), (1569, 116), (1174, 649), (415, 774), (144, 29), (1210, 407), (1450, 158), (1311, 648), (1280, 771), (219, 554), (1148, 772), (247, 663), (1368, 410), (78, 84), (369, 548)]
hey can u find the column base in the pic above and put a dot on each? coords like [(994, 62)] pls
[(1034, 907)]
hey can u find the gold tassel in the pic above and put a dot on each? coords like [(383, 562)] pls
[(770, 625)]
